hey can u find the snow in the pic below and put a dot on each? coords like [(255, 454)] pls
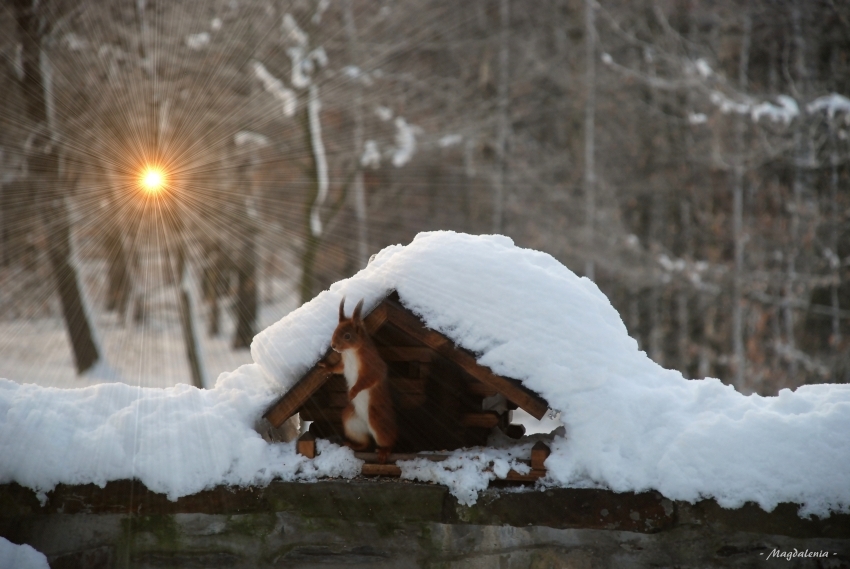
[(248, 138), (832, 104), (177, 441), (277, 89), (371, 157), (314, 105), (785, 112), (449, 140), (198, 41), (405, 140), (20, 556), (629, 424)]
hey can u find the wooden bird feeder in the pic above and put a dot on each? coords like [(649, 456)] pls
[(444, 400)]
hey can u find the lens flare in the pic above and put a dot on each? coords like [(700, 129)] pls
[(153, 180)]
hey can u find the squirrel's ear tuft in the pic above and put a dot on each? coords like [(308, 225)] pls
[(342, 309), (357, 310)]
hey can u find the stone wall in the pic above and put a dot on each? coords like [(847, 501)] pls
[(393, 524)]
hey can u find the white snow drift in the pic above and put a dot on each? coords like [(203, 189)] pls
[(630, 424)]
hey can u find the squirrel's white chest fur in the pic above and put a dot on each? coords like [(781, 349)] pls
[(351, 367), (352, 372)]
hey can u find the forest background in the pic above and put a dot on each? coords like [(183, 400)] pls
[(690, 156)]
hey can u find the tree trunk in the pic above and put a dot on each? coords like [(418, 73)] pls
[(246, 292), (187, 321), (504, 122), (590, 137), (738, 216), (44, 178), (118, 272), (359, 191), (318, 174), (798, 189)]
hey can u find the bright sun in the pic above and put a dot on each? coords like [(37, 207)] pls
[(153, 180)]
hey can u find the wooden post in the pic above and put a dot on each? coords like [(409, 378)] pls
[(306, 445), (539, 453)]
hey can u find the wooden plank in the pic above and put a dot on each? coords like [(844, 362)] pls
[(484, 420), (286, 406), (396, 456), (306, 445), (407, 384), (539, 453), (380, 470), (532, 476), (375, 319), (289, 403), (411, 400), (410, 324), (405, 354), (480, 389)]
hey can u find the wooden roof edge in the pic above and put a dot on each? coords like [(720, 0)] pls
[(289, 403), (512, 389)]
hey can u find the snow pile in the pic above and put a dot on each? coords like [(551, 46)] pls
[(177, 441), (467, 472), (20, 556), (630, 425)]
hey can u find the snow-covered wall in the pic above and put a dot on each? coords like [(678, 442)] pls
[(630, 425)]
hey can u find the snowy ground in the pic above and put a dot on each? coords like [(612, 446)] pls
[(36, 350)]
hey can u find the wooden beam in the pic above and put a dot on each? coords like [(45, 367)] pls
[(485, 419), (375, 319), (407, 384), (522, 396), (306, 445), (539, 453), (405, 354), (289, 403), (532, 476), (480, 389), (396, 456), (380, 470)]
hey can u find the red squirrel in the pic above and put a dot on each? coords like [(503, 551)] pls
[(370, 408)]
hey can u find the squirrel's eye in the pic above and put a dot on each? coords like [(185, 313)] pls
[(347, 336)]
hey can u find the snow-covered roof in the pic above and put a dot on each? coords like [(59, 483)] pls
[(631, 425)]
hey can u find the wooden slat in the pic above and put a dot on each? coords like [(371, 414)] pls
[(405, 354), (484, 420), (411, 325), (480, 389), (306, 445), (375, 319), (407, 384), (380, 470), (289, 403), (532, 476), (539, 453), (396, 456), (411, 400)]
